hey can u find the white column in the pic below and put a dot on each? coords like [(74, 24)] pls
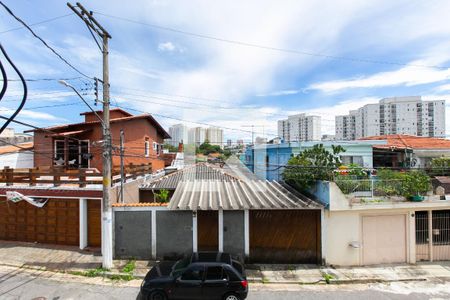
[(154, 234), (246, 233), (220, 230), (83, 223), (194, 231), (412, 237)]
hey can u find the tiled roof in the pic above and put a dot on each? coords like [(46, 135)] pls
[(152, 120), (399, 141), (237, 195), (199, 171), (12, 149)]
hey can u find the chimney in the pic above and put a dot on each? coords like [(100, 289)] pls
[(180, 147)]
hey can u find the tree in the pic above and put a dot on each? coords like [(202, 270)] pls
[(317, 163), (206, 148), (170, 147)]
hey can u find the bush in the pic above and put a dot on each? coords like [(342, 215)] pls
[(440, 166), (416, 183)]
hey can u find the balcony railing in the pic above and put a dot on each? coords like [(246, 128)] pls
[(57, 176)]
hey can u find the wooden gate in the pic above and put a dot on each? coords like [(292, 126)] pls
[(285, 236), (56, 223), (207, 230), (94, 223)]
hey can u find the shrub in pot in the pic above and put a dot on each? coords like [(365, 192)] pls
[(415, 185)]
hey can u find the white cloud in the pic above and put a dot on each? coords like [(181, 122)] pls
[(280, 93), (167, 46), (408, 76), (29, 114)]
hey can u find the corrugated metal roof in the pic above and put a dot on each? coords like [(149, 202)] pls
[(193, 173), (237, 195)]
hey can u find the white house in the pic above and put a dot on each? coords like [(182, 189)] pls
[(15, 157)]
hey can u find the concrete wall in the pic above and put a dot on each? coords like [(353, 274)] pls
[(130, 191), (17, 160), (133, 234), (233, 232), (345, 228), (173, 234)]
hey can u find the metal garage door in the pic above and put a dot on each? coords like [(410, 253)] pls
[(56, 223), (384, 239), (285, 236)]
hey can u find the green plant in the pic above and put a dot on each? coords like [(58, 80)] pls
[(356, 170), (440, 166), (162, 196), (129, 267), (328, 277), (316, 163), (416, 183)]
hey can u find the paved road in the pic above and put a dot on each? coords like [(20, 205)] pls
[(38, 285)]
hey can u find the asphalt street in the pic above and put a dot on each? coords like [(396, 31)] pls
[(38, 285)]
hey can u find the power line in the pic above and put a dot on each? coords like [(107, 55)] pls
[(271, 48), (38, 23), (43, 41), (195, 122), (44, 79)]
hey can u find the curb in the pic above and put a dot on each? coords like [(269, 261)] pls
[(340, 281)]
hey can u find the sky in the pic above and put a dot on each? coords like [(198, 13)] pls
[(230, 64)]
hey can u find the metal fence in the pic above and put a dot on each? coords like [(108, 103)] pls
[(433, 244), (370, 187)]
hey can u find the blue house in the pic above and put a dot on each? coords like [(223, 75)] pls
[(267, 160)]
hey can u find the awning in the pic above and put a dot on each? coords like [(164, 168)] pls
[(237, 195), (70, 133)]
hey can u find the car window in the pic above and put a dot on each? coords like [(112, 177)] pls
[(215, 273), (193, 273)]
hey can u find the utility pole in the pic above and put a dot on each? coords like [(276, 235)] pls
[(93, 25), (122, 171), (253, 132)]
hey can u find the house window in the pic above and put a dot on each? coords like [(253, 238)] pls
[(59, 152), (147, 148)]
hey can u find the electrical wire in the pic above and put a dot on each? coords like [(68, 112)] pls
[(25, 90), (271, 48), (4, 79), (45, 79), (43, 41), (38, 23)]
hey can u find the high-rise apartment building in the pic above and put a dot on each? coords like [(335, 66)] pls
[(397, 115), (179, 134), (300, 127), (197, 135), (215, 136)]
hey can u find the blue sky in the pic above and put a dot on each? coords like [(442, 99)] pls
[(178, 76)]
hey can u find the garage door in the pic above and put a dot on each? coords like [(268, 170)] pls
[(285, 236), (384, 239), (56, 223)]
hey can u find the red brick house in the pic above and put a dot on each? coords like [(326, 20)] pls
[(78, 145)]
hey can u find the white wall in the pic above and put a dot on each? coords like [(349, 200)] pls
[(17, 160), (345, 227)]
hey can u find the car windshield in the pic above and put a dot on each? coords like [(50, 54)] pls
[(179, 266)]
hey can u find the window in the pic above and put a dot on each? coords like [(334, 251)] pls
[(147, 148), (215, 273), (194, 273), (59, 152)]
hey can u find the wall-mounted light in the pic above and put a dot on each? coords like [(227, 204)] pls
[(354, 244)]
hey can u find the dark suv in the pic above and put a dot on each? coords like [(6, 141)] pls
[(205, 275)]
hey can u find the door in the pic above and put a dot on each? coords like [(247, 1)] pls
[(94, 223), (285, 236), (216, 283), (384, 239), (208, 230), (189, 284), (55, 223)]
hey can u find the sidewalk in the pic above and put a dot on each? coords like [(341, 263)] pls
[(48, 257), (71, 259)]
